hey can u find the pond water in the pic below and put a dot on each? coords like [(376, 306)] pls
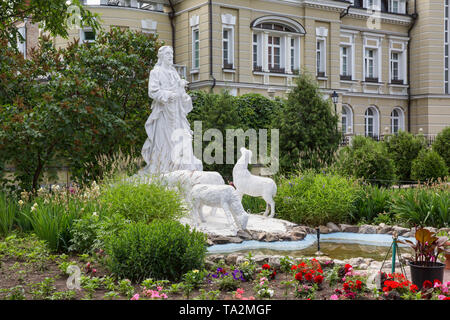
[(334, 245)]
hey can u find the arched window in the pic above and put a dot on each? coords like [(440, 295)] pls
[(397, 120), (276, 44), (346, 120), (371, 123)]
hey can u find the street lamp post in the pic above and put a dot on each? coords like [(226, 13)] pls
[(335, 99)]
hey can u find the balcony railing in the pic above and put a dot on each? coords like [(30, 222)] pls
[(144, 5), (385, 7)]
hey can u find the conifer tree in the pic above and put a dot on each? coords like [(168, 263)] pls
[(309, 136)]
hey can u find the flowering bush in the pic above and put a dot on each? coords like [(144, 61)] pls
[(227, 281), (436, 290), (262, 288), (353, 284), (270, 269), (308, 272), (396, 286), (248, 268), (239, 294)]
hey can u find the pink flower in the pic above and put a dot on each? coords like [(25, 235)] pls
[(334, 297), (94, 270), (239, 296), (164, 296), (251, 298), (441, 297), (240, 291), (135, 297), (159, 288)]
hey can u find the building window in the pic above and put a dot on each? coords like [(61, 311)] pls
[(395, 6), (320, 58), (370, 65), (256, 60), (395, 68), (274, 53), (293, 65), (371, 124), (227, 48), (22, 45), (346, 63), (446, 48), (397, 120), (275, 44), (346, 120), (88, 35), (195, 49)]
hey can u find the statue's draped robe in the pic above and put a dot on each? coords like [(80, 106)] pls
[(166, 117)]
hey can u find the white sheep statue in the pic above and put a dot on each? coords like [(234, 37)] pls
[(218, 196), (252, 185)]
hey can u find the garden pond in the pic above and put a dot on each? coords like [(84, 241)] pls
[(340, 245)]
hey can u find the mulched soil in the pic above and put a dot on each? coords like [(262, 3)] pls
[(15, 272)]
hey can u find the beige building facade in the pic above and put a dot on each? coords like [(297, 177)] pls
[(387, 60)]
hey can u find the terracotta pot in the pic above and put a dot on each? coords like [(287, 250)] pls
[(447, 261), (447, 257)]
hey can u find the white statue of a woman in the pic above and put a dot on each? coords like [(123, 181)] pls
[(169, 143)]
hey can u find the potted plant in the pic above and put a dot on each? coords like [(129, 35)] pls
[(425, 266)]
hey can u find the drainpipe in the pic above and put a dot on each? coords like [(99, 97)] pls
[(414, 17), (172, 24), (211, 73), (345, 12)]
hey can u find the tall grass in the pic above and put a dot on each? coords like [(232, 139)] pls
[(423, 206), (52, 222), (8, 211), (371, 202)]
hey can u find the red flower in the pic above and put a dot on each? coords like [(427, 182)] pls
[(413, 288), (308, 276), (318, 279), (294, 267), (346, 286), (266, 266), (347, 267), (446, 298), (358, 284), (436, 281), (386, 289), (427, 284), (299, 276)]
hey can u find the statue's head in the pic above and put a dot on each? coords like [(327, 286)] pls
[(165, 54)]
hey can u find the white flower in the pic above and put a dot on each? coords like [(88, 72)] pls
[(56, 187), (95, 214), (20, 202)]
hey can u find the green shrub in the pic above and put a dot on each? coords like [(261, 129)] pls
[(160, 250), (141, 202), (428, 166), (309, 136), (8, 211), (422, 206), (367, 159), (315, 199), (403, 148), (88, 234), (253, 204), (371, 202), (442, 145)]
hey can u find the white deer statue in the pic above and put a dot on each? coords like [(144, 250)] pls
[(252, 185), (218, 196)]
